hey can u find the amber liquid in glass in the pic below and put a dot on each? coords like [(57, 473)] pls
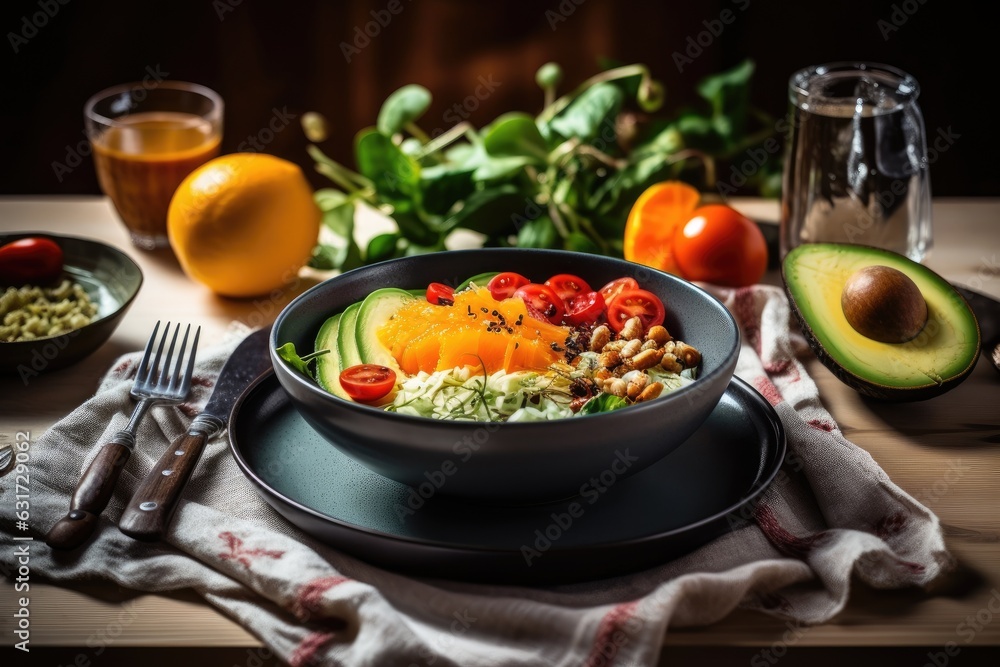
[(142, 160)]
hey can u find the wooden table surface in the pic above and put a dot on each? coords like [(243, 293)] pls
[(946, 452)]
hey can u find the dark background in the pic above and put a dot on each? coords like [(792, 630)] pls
[(263, 56)]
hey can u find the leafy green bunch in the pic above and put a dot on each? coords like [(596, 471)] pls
[(565, 178)]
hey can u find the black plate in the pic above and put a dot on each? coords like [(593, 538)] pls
[(690, 497)]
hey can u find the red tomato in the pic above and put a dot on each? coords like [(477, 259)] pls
[(584, 308), (616, 287), (567, 285), (719, 245), (636, 302), (367, 382), (440, 294), (503, 285), (542, 299), (30, 261)]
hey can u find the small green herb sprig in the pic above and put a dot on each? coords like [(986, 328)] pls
[(564, 178)]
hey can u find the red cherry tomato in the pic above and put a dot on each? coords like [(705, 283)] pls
[(544, 300), (616, 287), (567, 285), (636, 302), (30, 261), (440, 294), (719, 245), (367, 382), (584, 308), (503, 285)]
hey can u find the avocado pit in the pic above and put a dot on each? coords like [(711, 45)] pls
[(884, 304)]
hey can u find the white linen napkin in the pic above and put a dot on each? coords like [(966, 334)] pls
[(831, 513)]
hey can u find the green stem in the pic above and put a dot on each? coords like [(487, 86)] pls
[(457, 132), (335, 176), (348, 179), (591, 232), (610, 75), (557, 221), (415, 130)]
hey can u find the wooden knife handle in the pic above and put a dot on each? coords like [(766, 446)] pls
[(92, 494), (148, 513)]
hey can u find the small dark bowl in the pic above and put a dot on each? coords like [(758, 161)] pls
[(110, 278), (519, 462)]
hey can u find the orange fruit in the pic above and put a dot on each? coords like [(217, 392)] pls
[(653, 221), (243, 224), (426, 337)]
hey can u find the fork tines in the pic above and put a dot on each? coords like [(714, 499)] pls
[(154, 375)]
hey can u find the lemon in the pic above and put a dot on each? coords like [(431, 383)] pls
[(243, 224)]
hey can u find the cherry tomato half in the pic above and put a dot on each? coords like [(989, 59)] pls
[(567, 285), (440, 294), (584, 308), (503, 285), (616, 287), (30, 261), (719, 245), (636, 302), (367, 382), (542, 300)]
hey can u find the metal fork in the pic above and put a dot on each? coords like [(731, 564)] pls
[(154, 383)]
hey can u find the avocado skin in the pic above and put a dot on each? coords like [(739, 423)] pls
[(875, 390)]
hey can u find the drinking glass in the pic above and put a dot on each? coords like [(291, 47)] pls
[(856, 168), (146, 138)]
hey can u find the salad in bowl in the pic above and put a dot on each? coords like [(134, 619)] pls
[(501, 348)]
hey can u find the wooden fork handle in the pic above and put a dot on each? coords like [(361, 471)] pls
[(92, 494), (148, 513)]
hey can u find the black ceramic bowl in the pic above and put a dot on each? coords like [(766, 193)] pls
[(111, 280), (519, 462)]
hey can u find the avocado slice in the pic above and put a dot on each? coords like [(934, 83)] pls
[(479, 280), (347, 344), (937, 359), (375, 310), (328, 365)]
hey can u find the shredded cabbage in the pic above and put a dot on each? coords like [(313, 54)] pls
[(457, 394), (523, 396)]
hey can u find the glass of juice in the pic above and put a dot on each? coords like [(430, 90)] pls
[(146, 139)]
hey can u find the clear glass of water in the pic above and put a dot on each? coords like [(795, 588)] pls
[(856, 168)]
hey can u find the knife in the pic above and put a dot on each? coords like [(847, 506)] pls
[(149, 511)]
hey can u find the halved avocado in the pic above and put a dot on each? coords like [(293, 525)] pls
[(938, 358)]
